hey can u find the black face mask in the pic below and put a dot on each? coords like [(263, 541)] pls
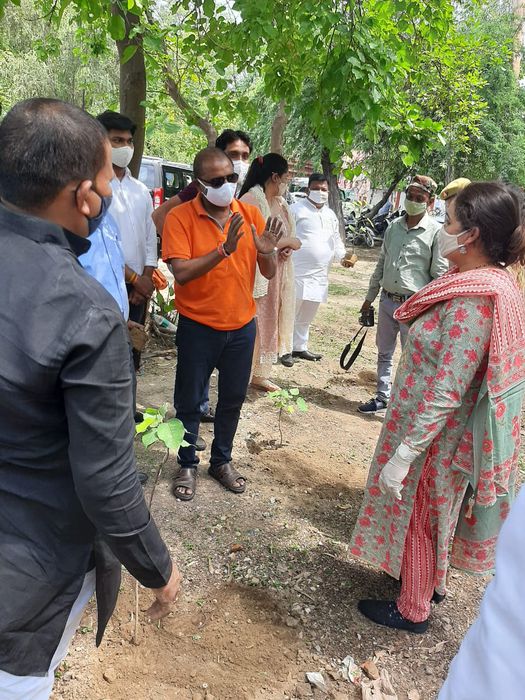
[(95, 221)]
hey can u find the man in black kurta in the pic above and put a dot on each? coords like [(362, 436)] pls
[(71, 507)]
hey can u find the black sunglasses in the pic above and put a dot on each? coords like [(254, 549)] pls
[(217, 182)]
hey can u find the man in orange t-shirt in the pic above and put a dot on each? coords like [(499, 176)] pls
[(213, 245)]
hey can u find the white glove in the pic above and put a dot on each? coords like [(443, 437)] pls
[(395, 470)]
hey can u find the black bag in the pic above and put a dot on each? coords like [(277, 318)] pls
[(367, 320)]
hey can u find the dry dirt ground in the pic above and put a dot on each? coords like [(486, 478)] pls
[(270, 589)]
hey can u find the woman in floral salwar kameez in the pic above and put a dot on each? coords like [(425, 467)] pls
[(445, 465)]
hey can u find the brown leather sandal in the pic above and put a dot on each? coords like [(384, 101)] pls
[(226, 475), (185, 478)]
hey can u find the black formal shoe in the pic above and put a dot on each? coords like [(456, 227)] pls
[(200, 445), (143, 477), (306, 355), (385, 612), (139, 417), (287, 360), (208, 417)]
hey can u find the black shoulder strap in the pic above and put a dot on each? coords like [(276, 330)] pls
[(346, 365)]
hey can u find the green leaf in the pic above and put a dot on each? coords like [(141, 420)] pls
[(117, 27), (149, 438), (294, 391), (171, 434), (301, 404), (128, 53), (145, 425)]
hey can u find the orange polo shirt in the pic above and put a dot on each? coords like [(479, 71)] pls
[(223, 297)]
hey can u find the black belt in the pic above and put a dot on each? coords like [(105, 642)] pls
[(400, 298)]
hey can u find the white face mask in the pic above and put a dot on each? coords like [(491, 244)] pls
[(415, 208), (318, 196), (241, 168), (220, 196), (121, 157), (448, 242), (283, 188)]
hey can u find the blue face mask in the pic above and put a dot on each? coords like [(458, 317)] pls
[(95, 221)]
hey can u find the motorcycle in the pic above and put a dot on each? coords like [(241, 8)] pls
[(380, 224), (359, 230)]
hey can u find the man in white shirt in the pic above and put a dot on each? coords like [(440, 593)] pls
[(489, 663), (132, 209), (318, 230)]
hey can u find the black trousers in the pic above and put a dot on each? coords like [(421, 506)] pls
[(137, 313), (199, 350)]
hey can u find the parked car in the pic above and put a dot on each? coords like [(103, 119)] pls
[(163, 178)]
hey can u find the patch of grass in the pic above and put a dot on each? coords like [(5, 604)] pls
[(338, 289)]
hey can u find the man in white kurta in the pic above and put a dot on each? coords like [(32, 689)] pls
[(318, 230)]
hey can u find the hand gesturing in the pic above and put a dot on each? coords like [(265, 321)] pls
[(267, 241), (234, 234)]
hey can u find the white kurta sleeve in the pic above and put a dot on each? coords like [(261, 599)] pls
[(152, 259), (339, 246)]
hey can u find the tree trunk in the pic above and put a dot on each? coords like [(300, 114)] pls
[(278, 126), (133, 85), (519, 13), (334, 198), (191, 115), (387, 194)]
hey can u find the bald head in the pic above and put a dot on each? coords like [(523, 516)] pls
[(210, 160)]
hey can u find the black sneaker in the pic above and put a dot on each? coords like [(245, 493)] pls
[(143, 477), (385, 612), (372, 406), (287, 360), (139, 417)]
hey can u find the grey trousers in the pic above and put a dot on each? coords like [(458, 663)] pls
[(386, 338)]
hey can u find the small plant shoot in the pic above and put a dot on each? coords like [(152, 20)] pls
[(287, 401), (166, 305), (170, 433)]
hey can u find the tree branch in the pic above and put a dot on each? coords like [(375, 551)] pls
[(397, 177), (189, 112)]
